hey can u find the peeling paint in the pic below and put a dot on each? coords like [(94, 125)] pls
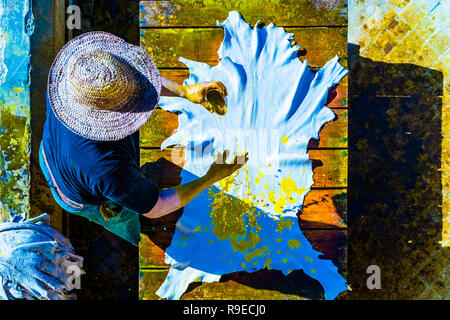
[(16, 26)]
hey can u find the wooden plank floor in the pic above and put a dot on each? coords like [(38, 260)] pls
[(171, 29)]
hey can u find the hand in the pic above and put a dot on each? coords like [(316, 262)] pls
[(220, 169), (196, 93)]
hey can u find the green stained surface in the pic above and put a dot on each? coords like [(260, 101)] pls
[(206, 12), (166, 46), (15, 28)]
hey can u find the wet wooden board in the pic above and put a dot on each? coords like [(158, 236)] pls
[(262, 284), (153, 244), (188, 29), (163, 124), (166, 46), (164, 167), (340, 101), (322, 209), (206, 13)]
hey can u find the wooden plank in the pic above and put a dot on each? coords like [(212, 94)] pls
[(330, 168), (335, 133), (332, 243), (340, 101), (263, 284), (150, 281), (163, 124), (206, 13), (324, 209), (158, 128), (152, 246), (164, 167), (166, 46), (50, 34), (154, 243)]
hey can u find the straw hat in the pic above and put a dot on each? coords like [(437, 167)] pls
[(103, 88)]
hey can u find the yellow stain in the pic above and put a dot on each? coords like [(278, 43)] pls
[(267, 264), (294, 243), (284, 139), (255, 253), (283, 224), (272, 197)]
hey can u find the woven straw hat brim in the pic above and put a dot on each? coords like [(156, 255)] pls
[(104, 125)]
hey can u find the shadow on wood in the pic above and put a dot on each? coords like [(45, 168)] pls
[(395, 188)]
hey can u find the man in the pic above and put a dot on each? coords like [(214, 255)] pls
[(101, 90)]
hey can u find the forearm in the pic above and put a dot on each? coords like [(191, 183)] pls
[(177, 197), (173, 87)]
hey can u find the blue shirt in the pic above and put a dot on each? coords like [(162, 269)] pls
[(90, 172)]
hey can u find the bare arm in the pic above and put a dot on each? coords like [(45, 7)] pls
[(195, 93), (177, 197), (171, 86)]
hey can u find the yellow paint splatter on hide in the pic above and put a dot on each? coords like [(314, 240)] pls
[(294, 243), (255, 253), (286, 194), (228, 218), (283, 224), (267, 264)]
